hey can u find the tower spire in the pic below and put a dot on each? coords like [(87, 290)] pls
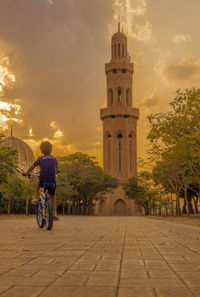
[(119, 24), (11, 131)]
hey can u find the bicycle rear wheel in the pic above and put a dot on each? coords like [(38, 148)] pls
[(39, 215), (49, 215)]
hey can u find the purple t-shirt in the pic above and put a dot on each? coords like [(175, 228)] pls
[(47, 165)]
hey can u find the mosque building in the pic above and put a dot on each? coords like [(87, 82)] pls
[(25, 154), (119, 128)]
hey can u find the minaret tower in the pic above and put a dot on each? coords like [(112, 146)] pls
[(119, 119)]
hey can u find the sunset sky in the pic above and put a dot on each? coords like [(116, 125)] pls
[(52, 56)]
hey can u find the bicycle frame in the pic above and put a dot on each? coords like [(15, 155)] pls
[(44, 210), (43, 198)]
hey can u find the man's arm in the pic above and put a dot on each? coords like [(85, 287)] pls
[(30, 169), (57, 168)]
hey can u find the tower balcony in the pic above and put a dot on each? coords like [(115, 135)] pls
[(122, 111), (110, 67)]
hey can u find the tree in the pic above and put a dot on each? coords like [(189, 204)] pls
[(8, 161), (65, 191), (87, 179), (175, 145), (14, 188), (140, 189), (167, 129), (8, 164)]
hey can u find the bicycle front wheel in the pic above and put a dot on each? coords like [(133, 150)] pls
[(39, 215), (49, 215)]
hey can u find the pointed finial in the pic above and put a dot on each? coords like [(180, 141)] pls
[(118, 23), (122, 30), (11, 131), (119, 27)]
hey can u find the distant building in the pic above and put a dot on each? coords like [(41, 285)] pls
[(119, 127), (25, 154)]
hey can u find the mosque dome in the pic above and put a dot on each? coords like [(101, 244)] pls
[(119, 46), (119, 36), (25, 154)]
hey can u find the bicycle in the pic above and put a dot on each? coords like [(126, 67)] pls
[(44, 207)]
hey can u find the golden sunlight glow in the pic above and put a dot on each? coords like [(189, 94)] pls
[(30, 132), (3, 120), (58, 133), (53, 124), (9, 112), (5, 75)]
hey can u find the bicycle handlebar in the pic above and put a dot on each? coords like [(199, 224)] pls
[(29, 175), (33, 174)]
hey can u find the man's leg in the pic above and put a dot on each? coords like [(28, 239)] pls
[(53, 200), (35, 198), (37, 187)]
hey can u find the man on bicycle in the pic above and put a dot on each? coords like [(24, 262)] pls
[(48, 169)]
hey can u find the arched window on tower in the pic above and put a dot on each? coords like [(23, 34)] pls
[(127, 96), (112, 51), (130, 137), (122, 50), (115, 50), (118, 49), (110, 97), (119, 140), (109, 149), (119, 95)]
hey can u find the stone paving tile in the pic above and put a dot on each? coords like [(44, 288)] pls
[(173, 292), (108, 266), (130, 262), (4, 288), (134, 275), (151, 283), (99, 256), (154, 262), (103, 279), (80, 292), (49, 272), (162, 274), (3, 271), (184, 267), (23, 291), (192, 283), (13, 280), (71, 279), (81, 267), (189, 274), (21, 271), (136, 292), (196, 291)]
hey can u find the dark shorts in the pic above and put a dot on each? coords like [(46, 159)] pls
[(51, 190)]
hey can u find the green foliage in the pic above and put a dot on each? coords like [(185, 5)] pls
[(14, 188), (142, 190), (84, 181), (8, 161), (169, 128), (175, 146)]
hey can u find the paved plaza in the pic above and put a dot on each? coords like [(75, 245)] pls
[(99, 257)]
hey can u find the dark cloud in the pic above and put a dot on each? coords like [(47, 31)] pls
[(57, 53), (184, 70)]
